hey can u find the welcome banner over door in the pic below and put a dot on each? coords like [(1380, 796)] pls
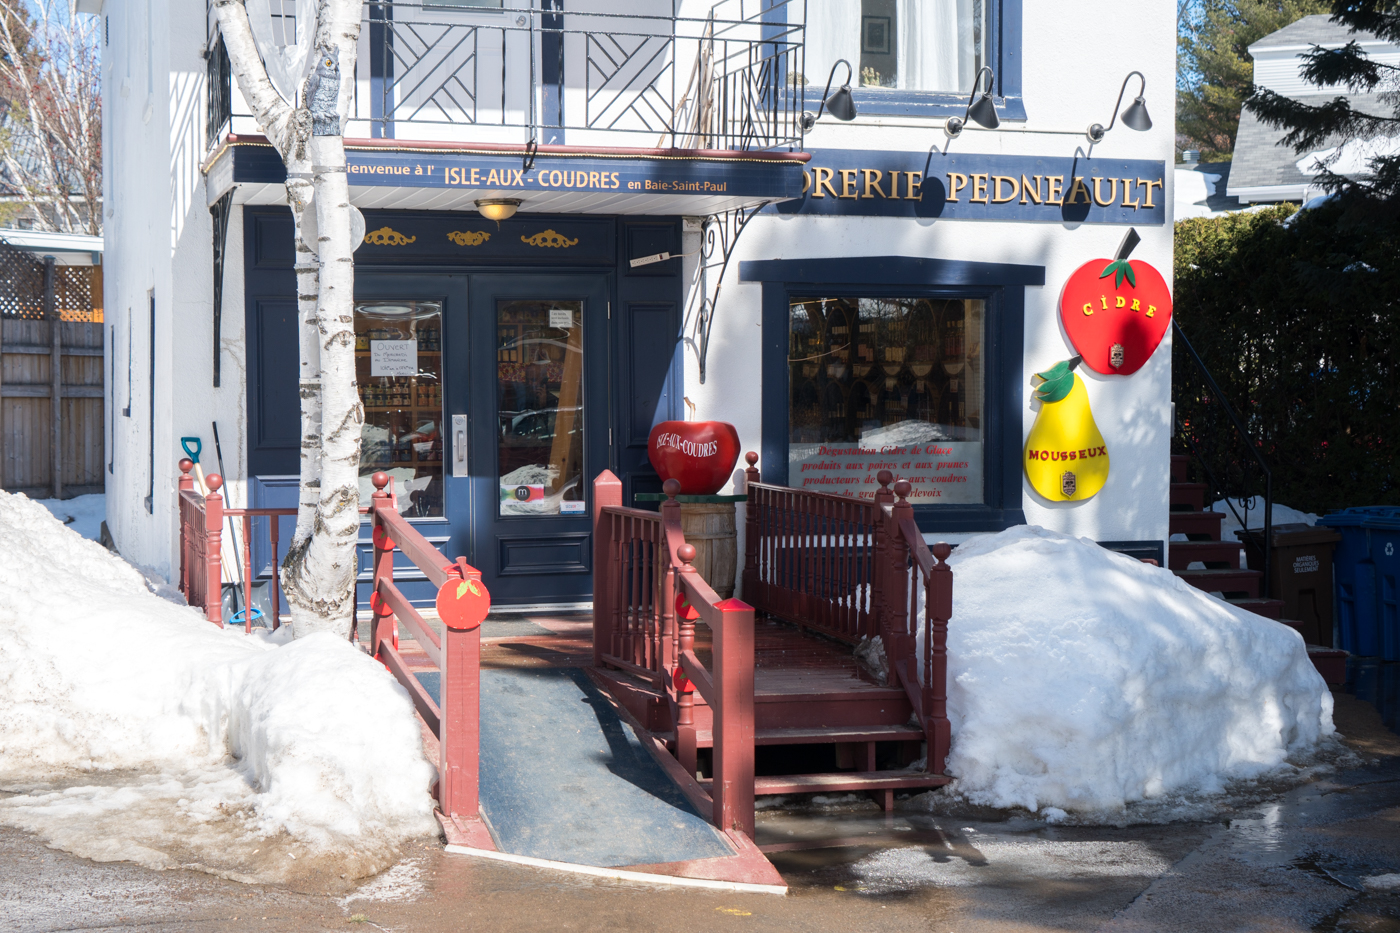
[(975, 186)]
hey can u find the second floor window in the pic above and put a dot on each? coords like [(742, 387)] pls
[(910, 45)]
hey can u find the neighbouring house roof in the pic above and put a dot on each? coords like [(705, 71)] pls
[(68, 249), (1265, 169), (1310, 31)]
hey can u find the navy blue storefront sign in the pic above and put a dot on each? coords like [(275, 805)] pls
[(1048, 189), (730, 177)]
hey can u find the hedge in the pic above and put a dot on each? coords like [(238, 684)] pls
[(1297, 322)]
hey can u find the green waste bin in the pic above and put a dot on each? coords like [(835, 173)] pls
[(1300, 574)]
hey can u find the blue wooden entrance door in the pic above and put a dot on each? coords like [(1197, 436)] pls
[(523, 420), (536, 351)]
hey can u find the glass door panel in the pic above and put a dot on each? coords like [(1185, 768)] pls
[(539, 407), (398, 369)]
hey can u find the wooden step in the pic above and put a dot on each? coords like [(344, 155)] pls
[(1216, 555), (1188, 497), (1179, 464), (1198, 526), (704, 738), (1268, 608), (1231, 582), (843, 781)]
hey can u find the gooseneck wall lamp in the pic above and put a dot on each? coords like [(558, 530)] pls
[(1135, 117), (980, 110), (840, 105)]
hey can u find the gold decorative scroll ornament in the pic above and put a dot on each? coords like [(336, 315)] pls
[(549, 238), (469, 237), (384, 236)]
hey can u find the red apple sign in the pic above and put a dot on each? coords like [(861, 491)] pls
[(698, 454), (463, 604), (1115, 312)]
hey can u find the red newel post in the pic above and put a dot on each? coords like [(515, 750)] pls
[(939, 604), (732, 785), (381, 619), (460, 739), (685, 696), (186, 485), (749, 581), (213, 541), (880, 581), (607, 491)]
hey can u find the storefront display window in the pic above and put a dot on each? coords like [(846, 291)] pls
[(539, 399), (398, 368), (887, 383)]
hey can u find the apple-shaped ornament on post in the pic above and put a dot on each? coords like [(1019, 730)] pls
[(700, 455), (1115, 311)]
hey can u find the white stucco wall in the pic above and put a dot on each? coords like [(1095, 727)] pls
[(159, 234), (158, 243), (1067, 87)]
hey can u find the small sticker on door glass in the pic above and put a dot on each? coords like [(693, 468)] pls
[(561, 318), (570, 508)]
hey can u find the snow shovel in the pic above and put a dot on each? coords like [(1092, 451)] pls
[(232, 526), (198, 445)]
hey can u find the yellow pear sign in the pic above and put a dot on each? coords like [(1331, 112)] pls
[(1066, 458)]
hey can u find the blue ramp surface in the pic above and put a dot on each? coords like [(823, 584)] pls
[(564, 778)]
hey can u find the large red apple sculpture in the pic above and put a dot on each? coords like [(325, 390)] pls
[(1115, 311), (700, 455)]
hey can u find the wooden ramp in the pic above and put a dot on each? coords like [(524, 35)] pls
[(566, 781)]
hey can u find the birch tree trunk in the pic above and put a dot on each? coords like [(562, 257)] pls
[(318, 573)]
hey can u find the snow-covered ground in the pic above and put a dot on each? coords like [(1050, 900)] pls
[(1083, 680), (132, 729), (83, 514)]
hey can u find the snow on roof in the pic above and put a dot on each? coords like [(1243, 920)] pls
[(39, 240)]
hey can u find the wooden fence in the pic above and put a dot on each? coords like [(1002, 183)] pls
[(51, 407)]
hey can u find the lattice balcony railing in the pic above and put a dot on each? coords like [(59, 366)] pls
[(727, 76)]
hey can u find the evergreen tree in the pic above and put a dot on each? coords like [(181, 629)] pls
[(1215, 71), (1314, 127)]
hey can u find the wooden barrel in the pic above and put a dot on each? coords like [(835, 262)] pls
[(710, 528)]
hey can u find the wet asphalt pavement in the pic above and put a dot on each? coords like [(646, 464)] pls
[(1312, 859)]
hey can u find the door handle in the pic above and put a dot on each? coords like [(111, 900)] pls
[(459, 446)]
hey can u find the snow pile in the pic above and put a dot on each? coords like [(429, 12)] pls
[(1082, 679), (133, 729), (83, 514)]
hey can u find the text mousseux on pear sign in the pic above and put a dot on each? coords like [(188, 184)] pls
[(975, 186)]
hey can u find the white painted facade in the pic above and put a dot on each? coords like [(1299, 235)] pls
[(159, 255)]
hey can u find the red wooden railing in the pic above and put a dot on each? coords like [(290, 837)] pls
[(456, 654), (201, 546), (852, 568), (647, 598)]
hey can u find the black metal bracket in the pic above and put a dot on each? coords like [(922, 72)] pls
[(719, 234)]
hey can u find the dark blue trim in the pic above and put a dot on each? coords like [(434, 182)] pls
[(1004, 55), (901, 276), (889, 270)]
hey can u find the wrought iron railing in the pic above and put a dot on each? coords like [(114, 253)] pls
[(728, 79), (1218, 439)]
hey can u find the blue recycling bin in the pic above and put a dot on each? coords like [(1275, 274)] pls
[(1365, 566), (1383, 533)]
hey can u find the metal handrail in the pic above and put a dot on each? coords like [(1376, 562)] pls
[(1224, 403)]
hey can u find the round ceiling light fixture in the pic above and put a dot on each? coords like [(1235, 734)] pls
[(498, 209)]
